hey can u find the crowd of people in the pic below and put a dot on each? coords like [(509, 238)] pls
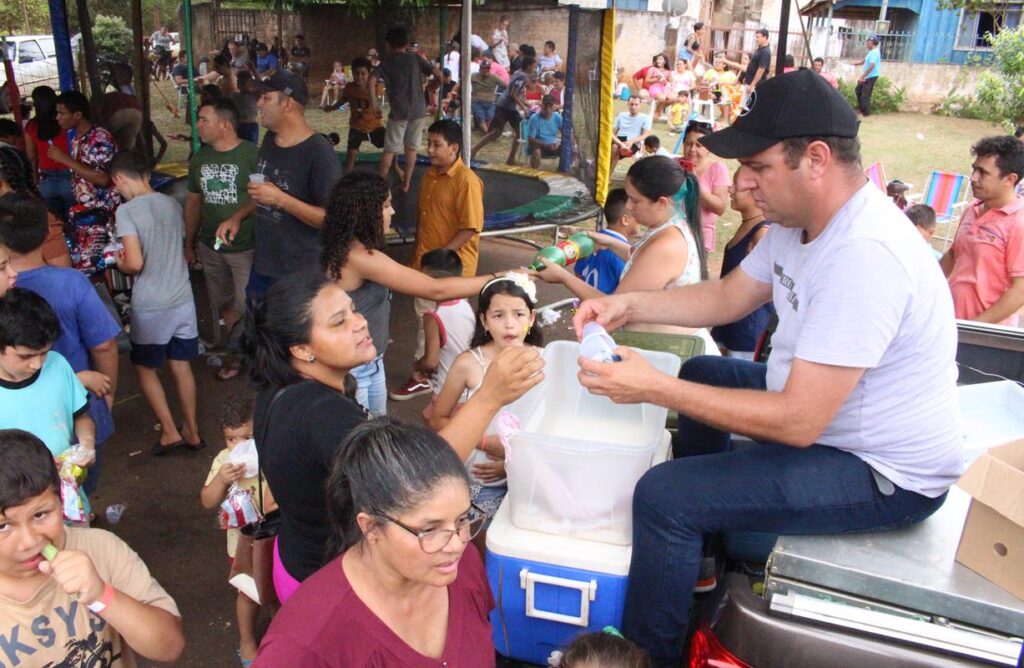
[(377, 554)]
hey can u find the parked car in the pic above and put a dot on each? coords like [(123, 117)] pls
[(35, 61)]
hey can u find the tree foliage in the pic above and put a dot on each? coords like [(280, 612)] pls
[(113, 37), (1001, 89), (24, 17)]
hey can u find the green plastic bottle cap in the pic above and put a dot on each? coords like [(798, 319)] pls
[(50, 552)]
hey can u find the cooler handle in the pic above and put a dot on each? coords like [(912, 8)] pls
[(587, 590)]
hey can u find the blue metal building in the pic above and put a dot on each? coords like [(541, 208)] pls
[(920, 31)]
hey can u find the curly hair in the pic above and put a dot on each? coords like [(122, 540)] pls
[(237, 410), (354, 212), (16, 170)]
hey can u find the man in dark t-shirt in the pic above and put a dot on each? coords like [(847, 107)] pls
[(298, 168), (298, 57), (760, 62)]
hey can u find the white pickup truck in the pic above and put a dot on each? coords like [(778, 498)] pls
[(34, 58)]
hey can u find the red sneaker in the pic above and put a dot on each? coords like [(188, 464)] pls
[(411, 388)]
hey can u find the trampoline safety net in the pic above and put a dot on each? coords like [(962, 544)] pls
[(587, 96)]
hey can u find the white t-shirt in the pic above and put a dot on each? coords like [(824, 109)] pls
[(477, 42), (552, 62), (456, 322), (867, 293), (629, 126), (451, 62)]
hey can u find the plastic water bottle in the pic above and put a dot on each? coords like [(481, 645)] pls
[(566, 252)]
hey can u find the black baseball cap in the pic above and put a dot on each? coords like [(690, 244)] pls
[(287, 83), (797, 104)]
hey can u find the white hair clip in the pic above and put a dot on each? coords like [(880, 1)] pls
[(520, 279)]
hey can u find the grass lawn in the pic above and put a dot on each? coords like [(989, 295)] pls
[(909, 146)]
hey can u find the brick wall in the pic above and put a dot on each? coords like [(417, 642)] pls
[(333, 34)]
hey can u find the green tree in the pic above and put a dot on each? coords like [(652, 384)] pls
[(24, 17), (113, 37), (1001, 89)]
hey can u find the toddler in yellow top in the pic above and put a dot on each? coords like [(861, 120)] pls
[(236, 421)]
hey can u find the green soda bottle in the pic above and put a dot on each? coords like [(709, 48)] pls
[(576, 247)]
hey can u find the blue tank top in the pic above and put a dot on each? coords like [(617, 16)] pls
[(743, 334)]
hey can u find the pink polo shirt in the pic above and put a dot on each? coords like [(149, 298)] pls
[(988, 254)]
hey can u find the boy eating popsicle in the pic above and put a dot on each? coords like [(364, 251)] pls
[(90, 597)]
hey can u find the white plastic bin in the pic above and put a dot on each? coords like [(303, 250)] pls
[(992, 414), (573, 467)]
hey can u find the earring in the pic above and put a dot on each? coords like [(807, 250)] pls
[(311, 359)]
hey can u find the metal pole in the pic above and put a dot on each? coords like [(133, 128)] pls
[(141, 76), (62, 43), (882, 12), (780, 54), (828, 34), (89, 45), (442, 44), (568, 141), (186, 10), (465, 59)]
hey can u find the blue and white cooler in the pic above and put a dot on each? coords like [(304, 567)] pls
[(558, 549)]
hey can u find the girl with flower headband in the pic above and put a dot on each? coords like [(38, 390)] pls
[(506, 318)]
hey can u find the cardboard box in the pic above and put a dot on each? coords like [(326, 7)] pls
[(992, 543)]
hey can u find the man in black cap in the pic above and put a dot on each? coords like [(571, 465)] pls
[(297, 169), (865, 321)]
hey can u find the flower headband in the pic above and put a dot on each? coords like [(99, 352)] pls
[(521, 280)]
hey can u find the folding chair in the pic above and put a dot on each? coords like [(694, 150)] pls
[(876, 174), (948, 193)]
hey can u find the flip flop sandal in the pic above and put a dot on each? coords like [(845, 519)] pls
[(246, 663), (159, 450), (198, 446)]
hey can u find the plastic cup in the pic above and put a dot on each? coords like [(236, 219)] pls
[(597, 344), (114, 512), (257, 178)]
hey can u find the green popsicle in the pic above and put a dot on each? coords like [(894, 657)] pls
[(50, 552)]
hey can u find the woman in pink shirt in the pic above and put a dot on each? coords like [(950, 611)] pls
[(713, 177), (407, 590)]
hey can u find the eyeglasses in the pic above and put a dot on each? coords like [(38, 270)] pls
[(435, 540)]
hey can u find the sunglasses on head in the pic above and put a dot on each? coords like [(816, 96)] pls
[(699, 125)]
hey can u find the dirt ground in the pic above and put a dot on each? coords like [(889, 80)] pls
[(165, 523)]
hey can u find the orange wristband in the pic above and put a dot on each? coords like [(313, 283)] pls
[(100, 604)]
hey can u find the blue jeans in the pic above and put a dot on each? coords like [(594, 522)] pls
[(258, 285), (483, 112), (55, 188), (372, 390), (768, 487)]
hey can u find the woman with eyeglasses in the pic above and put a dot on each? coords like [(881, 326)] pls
[(303, 340), (405, 588), (713, 177)]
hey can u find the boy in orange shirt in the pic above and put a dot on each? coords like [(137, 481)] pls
[(451, 215)]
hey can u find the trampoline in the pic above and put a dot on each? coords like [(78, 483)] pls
[(516, 199)]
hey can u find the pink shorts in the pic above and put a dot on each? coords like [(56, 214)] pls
[(656, 89), (284, 584)]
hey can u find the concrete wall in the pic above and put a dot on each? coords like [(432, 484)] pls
[(927, 84), (260, 24)]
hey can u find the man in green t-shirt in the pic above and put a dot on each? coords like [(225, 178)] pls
[(219, 213)]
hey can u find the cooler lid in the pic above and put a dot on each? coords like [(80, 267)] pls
[(913, 568), (506, 540)]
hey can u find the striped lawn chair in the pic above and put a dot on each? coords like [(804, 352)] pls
[(948, 193), (876, 174)]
